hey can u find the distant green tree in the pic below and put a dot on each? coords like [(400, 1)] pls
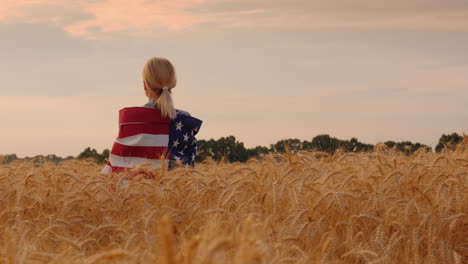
[(448, 141), (88, 153), (44, 158), (353, 145), (93, 154), (104, 156), (226, 147), (8, 158), (53, 158), (407, 147), (324, 143), (257, 152), (390, 144), (203, 150), (294, 145)]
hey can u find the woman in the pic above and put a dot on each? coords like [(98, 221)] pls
[(157, 131)]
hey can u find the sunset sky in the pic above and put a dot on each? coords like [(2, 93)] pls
[(260, 70)]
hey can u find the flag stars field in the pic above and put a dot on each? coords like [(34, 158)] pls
[(179, 126)]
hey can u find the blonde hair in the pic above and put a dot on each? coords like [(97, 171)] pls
[(159, 76)]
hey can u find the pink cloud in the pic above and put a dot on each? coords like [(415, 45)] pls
[(144, 15), (111, 15), (116, 15)]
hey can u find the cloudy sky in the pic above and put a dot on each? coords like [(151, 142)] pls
[(260, 70)]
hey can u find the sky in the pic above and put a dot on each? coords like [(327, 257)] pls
[(256, 69)]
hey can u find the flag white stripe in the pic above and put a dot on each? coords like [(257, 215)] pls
[(129, 162), (145, 140), (107, 170)]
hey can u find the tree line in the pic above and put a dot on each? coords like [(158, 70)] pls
[(231, 150)]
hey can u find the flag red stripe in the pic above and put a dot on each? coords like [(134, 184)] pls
[(135, 129), (139, 151), (142, 114)]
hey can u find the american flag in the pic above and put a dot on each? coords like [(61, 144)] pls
[(147, 138), (182, 142)]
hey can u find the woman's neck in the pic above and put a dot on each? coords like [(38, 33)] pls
[(153, 97)]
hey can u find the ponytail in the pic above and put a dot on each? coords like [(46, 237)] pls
[(159, 76), (166, 104)]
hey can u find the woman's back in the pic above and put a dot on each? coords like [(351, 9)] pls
[(143, 138)]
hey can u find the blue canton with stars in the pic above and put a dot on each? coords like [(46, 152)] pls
[(182, 143)]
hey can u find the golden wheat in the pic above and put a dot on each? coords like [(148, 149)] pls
[(380, 207)]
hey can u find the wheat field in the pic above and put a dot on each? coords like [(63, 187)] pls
[(379, 207)]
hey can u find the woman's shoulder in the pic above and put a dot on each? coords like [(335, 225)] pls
[(182, 112)]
